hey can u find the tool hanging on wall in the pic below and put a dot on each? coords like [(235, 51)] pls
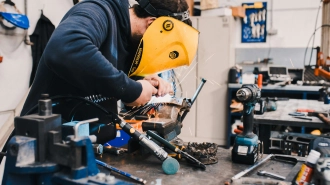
[(16, 19)]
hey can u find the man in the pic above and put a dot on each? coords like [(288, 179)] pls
[(92, 49)]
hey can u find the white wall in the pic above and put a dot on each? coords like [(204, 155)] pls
[(16, 67), (294, 20), (54, 10)]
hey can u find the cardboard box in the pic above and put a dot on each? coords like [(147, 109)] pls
[(238, 11), (209, 4)]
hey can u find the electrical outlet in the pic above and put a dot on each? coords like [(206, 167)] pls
[(272, 31)]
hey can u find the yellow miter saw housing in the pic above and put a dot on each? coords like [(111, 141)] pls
[(167, 43)]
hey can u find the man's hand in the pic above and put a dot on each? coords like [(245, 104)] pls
[(163, 86), (147, 91)]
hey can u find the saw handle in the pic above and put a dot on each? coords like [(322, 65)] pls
[(324, 119)]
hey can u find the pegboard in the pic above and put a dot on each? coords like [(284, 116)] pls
[(254, 25)]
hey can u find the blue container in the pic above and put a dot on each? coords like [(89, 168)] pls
[(121, 139)]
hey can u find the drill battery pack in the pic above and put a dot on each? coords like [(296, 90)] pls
[(245, 150)]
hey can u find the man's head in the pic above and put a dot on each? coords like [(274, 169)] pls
[(144, 13)]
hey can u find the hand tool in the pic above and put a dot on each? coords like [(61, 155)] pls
[(297, 161), (120, 172), (254, 181), (272, 175), (301, 117), (239, 175), (323, 116), (322, 171), (176, 149), (305, 110), (246, 145), (296, 114), (170, 165), (270, 103)]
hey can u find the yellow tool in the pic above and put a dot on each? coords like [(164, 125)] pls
[(167, 43)]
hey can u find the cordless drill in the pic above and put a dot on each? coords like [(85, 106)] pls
[(246, 145)]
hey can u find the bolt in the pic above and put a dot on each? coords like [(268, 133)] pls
[(110, 179)]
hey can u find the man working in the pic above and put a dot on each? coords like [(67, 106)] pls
[(92, 49)]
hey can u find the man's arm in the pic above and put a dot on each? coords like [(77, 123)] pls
[(73, 53)]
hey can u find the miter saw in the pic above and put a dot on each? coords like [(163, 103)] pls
[(164, 115)]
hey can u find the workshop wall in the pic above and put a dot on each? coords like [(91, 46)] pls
[(16, 67), (17, 63), (294, 21)]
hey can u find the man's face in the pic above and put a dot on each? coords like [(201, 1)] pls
[(138, 27)]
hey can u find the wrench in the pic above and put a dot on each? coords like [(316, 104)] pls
[(275, 176)]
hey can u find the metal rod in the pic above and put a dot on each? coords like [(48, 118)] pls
[(194, 97), (75, 128), (239, 175), (120, 172), (198, 91)]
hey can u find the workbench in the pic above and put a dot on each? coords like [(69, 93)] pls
[(281, 117), (289, 91), (149, 168)]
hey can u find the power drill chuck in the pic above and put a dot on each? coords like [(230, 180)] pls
[(243, 94), (248, 93)]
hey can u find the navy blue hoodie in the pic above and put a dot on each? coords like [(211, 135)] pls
[(87, 54)]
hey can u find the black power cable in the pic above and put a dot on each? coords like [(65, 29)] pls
[(317, 16), (325, 25)]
